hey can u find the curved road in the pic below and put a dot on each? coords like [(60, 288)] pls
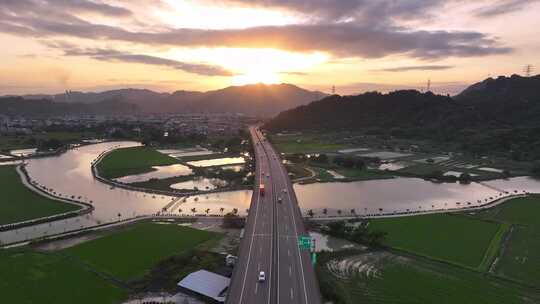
[(270, 240)]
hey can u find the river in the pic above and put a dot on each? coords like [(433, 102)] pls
[(70, 174)]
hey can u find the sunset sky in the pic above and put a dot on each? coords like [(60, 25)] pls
[(48, 46)]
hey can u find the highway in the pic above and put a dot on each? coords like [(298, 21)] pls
[(270, 242)]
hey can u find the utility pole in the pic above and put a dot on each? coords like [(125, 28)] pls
[(428, 85), (528, 69)]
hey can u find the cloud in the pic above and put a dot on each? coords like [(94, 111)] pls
[(379, 11), (341, 39), (416, 68), (502, 7), (119, 56)]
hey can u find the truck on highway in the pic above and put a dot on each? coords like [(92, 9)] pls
[(261, 189)]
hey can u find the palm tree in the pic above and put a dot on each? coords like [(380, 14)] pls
[(235, 210), (207, 210), (180, 210), (221, 210), (311, 213), (247, 211), (339, 211), (353, 211), (193, 210), (325, 211)]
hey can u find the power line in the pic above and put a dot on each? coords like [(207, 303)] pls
[(528, 69)]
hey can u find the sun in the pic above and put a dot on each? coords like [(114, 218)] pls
[(252, 77)]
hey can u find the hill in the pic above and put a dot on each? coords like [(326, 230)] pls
[(19, 106), (256, 99), (494, 115)]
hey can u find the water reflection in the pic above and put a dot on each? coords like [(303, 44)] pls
[(403, 194), (159, 172), (329, 243), (70, 174), (217, 162), (200, 183)]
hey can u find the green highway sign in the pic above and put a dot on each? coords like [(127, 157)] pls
[(304, 242)]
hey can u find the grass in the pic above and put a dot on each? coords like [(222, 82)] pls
[(405, 281), (130, 254), (455, 239), (494, 247), (133, 160), (364, 174), (18, 203), (298, 171), (11, 142), (521, 255), (306, 143), (31, 277)]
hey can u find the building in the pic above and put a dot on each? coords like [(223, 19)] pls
[(207, 284)]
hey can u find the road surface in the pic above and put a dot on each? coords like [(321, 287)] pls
[(270, 240)]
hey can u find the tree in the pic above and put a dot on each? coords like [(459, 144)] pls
[(321, 158), (310, 212), (231, 220), (536, 170), (325, 211), (221, 210), (193, 210), (465, 178), (353, 211)]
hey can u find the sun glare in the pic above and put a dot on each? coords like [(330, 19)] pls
[(265, 77)]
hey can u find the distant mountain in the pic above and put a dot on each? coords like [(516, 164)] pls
[(500, 114), (19, 106), (256, 99)]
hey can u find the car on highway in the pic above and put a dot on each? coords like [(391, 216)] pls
[(279, 200), (268, 175), (262, 276)]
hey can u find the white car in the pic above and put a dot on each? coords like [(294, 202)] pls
[(262, 276), (268, 175)]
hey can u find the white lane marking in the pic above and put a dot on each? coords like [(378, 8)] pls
[(251, 243), (259, 267), (295, 231), (256, 287), (288, 252), (292, 295), (290, 271)]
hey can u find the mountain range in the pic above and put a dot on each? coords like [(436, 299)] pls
[(497, 114), (256, 100)]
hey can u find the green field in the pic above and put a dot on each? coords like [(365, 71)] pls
[(133, 252), (364, 174), (133, 160), (521, 255), (451, 238), (31, 277), (18, 203), (11, 142), (307, 143), (399, 280), (106, 269)]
